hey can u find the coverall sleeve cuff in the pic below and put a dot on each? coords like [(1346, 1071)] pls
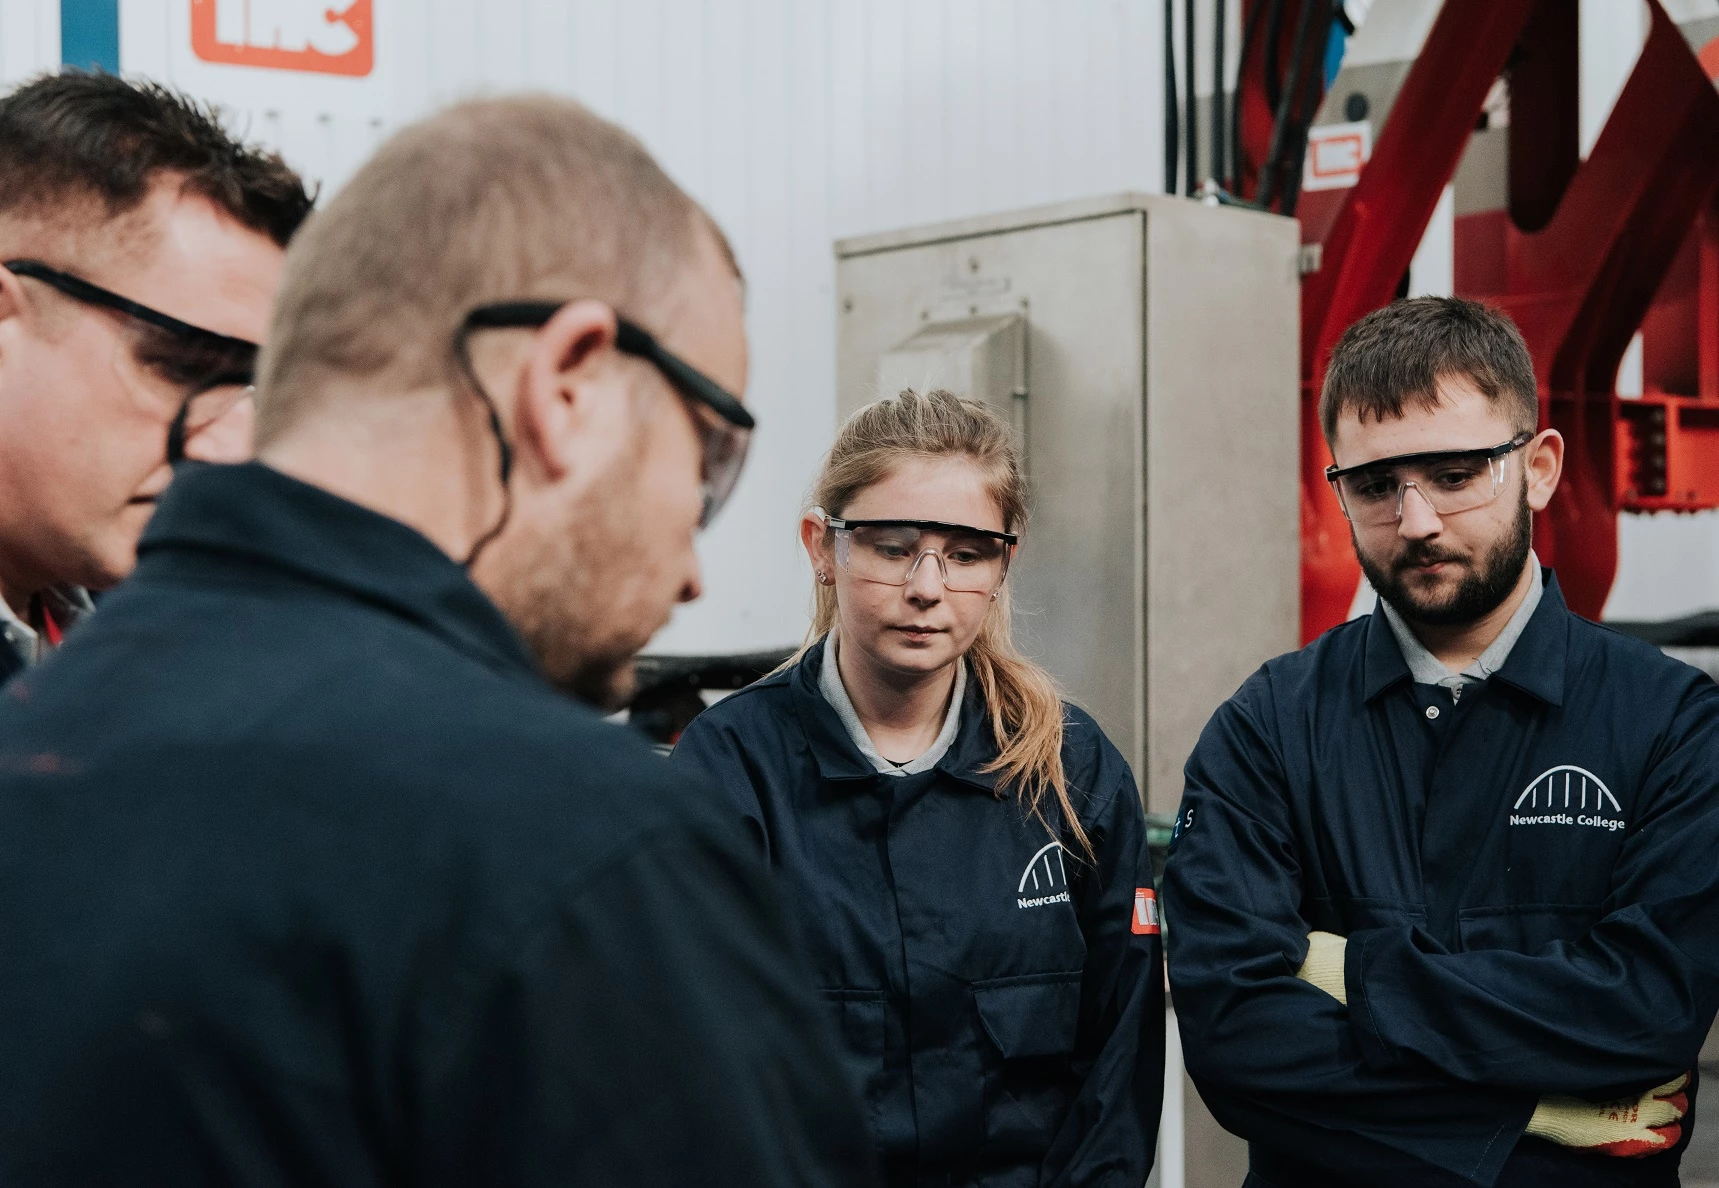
[(1374, 1050)]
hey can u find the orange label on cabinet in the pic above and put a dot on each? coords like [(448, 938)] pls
[(313, 36)]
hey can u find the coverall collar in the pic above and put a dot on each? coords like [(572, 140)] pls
[(830, 684), (1535, 664), (1428, 669), (839, 759), (256, 512)]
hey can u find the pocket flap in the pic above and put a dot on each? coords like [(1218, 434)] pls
[(1030, 1015), (859, 1016)]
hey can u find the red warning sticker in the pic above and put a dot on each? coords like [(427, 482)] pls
[(1145, 911)]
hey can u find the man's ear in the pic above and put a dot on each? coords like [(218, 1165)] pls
[(572, 354), (1543, 462)]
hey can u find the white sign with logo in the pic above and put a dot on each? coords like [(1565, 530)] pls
[(1335, 155)]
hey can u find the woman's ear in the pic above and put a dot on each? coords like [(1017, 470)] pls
[(1543, 462), (815, 539)]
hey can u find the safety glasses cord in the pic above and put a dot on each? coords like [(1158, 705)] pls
[(462, 356)]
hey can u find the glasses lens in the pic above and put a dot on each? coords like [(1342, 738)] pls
[(213, 427), (725, 448), (1458, 483), (195, 363), (969, 563)]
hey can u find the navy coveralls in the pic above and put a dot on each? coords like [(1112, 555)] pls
[(307, 877), (1528, 879), (1001, 1012)]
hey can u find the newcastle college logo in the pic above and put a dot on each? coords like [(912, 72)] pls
[(1044, 881), (1568, 795)]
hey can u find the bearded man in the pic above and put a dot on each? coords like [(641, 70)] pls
[(1442, 895)]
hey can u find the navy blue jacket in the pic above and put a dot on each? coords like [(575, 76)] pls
[(1528, 878), (306, 877), (1003, 1015)]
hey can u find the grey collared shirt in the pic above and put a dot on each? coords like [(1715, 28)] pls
[(830, 685), (66, 605), (1428, 669), (19, 635)]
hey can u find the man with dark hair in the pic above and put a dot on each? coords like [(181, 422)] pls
[(1442, 901), (310, 871), (140, 247)]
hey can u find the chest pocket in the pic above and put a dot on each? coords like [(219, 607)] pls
[(1524, 928), (1030, 1022), (1030, 1015)]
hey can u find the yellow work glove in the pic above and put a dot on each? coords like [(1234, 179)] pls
[(1629, 1128), (1324, 964)]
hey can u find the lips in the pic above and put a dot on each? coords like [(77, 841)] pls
[(1426, 564), (918, 634)]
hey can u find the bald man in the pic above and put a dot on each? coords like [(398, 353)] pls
[(337, 876)]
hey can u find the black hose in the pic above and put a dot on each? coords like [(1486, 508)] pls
[(1292, 87), (1249, 31), (1172, 130), (1310, 108), (1217, 170), (1273, 35), (1190, 109)]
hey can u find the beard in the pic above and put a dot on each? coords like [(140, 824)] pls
[(1483, 588), (573, 590)]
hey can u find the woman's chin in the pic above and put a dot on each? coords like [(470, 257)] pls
[(905, 656)]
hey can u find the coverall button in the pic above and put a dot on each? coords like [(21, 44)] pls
[(1432, 712)]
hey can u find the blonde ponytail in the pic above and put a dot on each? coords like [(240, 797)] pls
[(1021, 699)]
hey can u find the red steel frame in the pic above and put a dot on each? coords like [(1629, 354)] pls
[(1577, 260)]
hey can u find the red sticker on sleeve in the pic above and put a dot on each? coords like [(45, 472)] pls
[(1145, 912)]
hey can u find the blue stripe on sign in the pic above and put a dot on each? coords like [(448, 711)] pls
[(89, 34)]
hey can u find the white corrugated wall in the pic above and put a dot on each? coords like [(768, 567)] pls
[(29, 38), (794, 122)]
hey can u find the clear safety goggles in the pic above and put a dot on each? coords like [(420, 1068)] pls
[(207, 373), (1451, 481), (969, 560)]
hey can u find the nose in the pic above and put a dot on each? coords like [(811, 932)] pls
[(925, 582), (693, 589), (228, 438), (1419, 521)]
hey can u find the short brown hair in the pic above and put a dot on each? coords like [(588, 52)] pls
[(72, 139), (491, 200), (1397, 355)]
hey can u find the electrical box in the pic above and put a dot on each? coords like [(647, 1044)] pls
[(1146, 350)]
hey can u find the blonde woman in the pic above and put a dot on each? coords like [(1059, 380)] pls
[(965, 853)]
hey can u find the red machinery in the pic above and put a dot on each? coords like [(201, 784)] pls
[(1585, 253)]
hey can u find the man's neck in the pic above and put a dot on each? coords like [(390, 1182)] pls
[(1459, 645), (902, 714), (422, 478)]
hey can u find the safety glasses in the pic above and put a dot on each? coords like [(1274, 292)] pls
[(725, 437), (210, 372), (1451, 481), (970, 560)]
